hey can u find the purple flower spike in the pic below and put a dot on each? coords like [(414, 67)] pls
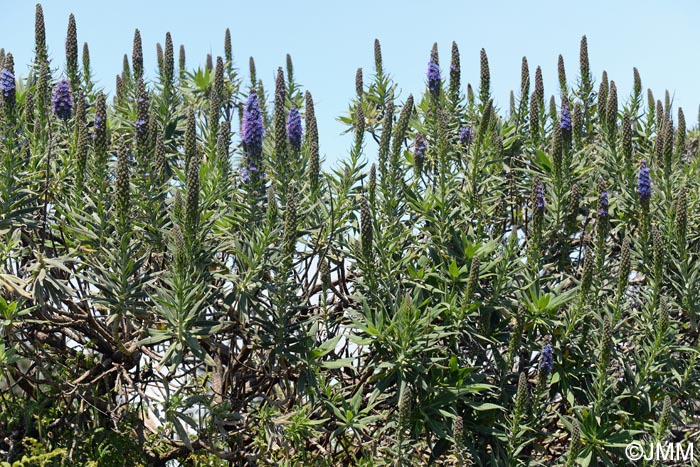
[(433, 77), (62, 101), (603, 203), (546, 359), (7, 82), (465, 135), (565, 122), (294, 130), (539, 198), (644, 182), (253, 130)]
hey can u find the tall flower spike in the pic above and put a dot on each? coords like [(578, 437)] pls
[(637, 87), (72, 53), (668, 146), (294, 130), (137, 55), (86, 61), (359, 126), (372, 185), (485, 78), (562, 77), (385, 139), (659, 116), (433, 74), (100, 125), (644, 183), (627, 141), (142, 117), (681, 216), (280, 117), (190, 138), (359, 85), (680, 133), (602, 201), (625, 267), (314, 167), (611, 110), (62, 100), (572, 215), (253, 73), (465, 135), (228, 52), (378, 67), (419, 148), (546, 359), (159, 59), (606, 345), (161, 163), (565, 120), (366, 229), (168, 61), (7, 84), (253, 130), (577, 122), (209, 63), (42, 56), (28, 109), (181, 62), (603, 97), (539, 87), (455, 73), (534, 117), (524, 79), (585, 69), (434, 56), (290, 70), (473, 280), (575, 444), (399, 134)]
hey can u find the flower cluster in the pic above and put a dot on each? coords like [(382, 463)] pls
[(294, 130), (644, 183), (253, 130), (565, 122), (603, 204), (62, 101), (546, 359), (539, 198), (465, 135), (433, 77), (7, 82)]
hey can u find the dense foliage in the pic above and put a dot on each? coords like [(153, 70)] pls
[(183, 282)]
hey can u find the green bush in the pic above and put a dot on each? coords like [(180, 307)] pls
[(185, 283)]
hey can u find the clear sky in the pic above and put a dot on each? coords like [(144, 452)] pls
[(328, 40)]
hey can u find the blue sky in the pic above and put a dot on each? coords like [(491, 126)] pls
[(329, 40)]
